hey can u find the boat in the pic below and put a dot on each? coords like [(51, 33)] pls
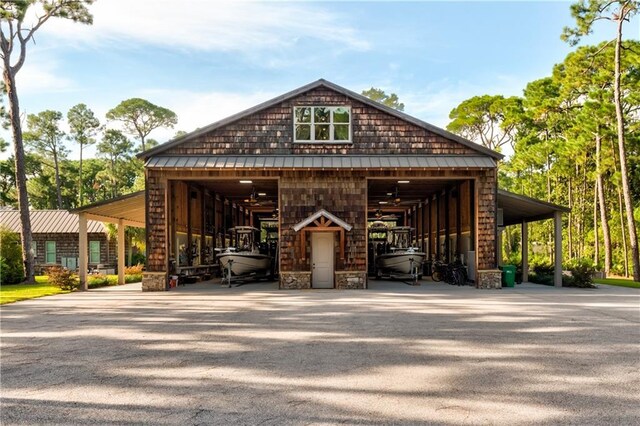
[(401, 258), (242, 257)]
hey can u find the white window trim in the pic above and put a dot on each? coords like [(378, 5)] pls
[(312, 124)]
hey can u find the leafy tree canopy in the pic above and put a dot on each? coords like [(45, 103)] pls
[(140, 117), (379, 95), (489, 120)]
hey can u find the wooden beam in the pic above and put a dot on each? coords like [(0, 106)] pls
[(114, 220)]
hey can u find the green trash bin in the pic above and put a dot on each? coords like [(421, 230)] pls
[(508, 275)]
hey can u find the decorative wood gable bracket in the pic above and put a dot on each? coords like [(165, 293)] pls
[(321, 221)]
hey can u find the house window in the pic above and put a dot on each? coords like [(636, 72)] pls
[(94, 251), (34, 248), (318, 124), (50, 252)]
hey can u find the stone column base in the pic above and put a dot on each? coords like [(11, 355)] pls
[(348, 280), (154, 281), (295, 280), (489, 278)]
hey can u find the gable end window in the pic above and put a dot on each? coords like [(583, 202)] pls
[(321, 124)]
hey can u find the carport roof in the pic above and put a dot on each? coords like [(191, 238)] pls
[(130, 208), (320, 162), (518, 208)]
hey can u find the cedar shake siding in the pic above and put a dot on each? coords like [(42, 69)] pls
[(270, 132)]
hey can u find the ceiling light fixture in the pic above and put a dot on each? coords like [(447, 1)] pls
[(404, 181), (246, 181)]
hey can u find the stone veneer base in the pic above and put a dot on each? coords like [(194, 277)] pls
[(349, 280), (154, 281), (295, 280), (489, 279)]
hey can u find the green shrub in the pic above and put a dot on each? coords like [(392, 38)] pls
[(133, 278), (11, 266), (582, 271), (63, 278), (543, 269), (538, 278)]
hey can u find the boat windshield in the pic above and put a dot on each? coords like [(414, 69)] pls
[(401, 238)]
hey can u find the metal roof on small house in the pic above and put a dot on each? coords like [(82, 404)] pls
[(48, 222), (158, 150), (320, 162)]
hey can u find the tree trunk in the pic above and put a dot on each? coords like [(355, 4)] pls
[(626, 192), (596, 238), (57, 171), (570, 221), (620, 213), (606, 234), (21, 178)]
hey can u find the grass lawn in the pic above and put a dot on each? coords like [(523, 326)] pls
[(14, 292), (620, 282)]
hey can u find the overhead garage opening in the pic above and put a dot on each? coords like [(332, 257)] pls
[(439, 214), (206, 217)]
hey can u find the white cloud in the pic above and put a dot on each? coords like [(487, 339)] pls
[(40, 74), (210, 26)]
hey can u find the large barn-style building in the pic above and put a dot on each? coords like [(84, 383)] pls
[(318, 164)]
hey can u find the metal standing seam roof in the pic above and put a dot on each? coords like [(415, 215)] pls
[(320, 162), (49, 222)]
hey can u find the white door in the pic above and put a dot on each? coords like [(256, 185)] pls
[(322, 254)]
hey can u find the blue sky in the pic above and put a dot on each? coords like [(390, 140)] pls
[(207, 60)]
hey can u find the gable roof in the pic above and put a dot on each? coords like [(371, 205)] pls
[(49, 222), (311, 86), (317, 215)]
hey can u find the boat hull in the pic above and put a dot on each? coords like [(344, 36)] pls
[(245, 263), (400, 263)]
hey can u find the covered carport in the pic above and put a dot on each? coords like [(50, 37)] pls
[(514, 209), (126, 210)]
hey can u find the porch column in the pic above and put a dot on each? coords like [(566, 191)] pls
[(557, 227), (82, 251), (525, 251), (121, 254)]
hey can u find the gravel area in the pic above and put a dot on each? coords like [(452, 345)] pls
[(393, 354)]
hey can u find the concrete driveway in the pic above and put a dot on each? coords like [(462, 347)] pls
[(391, 354)]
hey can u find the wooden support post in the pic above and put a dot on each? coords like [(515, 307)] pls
[(458, 219), (557, 272), (447, 226), (83, 260), (438, 226), (525, 251), (189, 230), (203, 231), (121, 251)]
